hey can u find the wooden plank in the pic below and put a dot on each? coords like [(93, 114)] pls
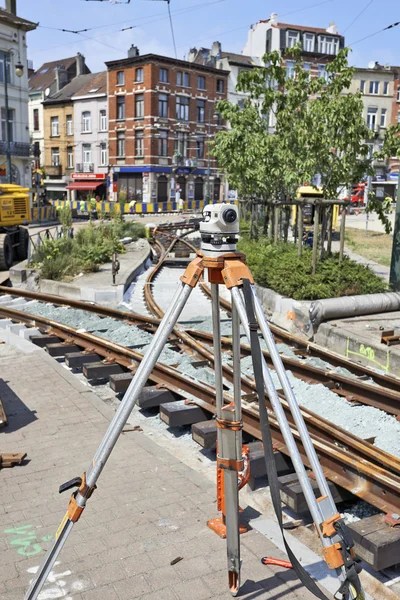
[(100, 370), (205, 434), (43, 340), (153, 396), (292, 494), (76, 360), (178, 413), (9, 460), (376, 542), (3, 416), (59, 350), (119, 382)]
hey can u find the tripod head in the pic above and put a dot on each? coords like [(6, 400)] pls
[(220, 228)]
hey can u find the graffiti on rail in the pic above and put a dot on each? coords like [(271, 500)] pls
[(368, 353), (25, 540)]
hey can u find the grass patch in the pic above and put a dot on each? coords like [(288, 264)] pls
[(63, 259), (278, 267), (372, 245)]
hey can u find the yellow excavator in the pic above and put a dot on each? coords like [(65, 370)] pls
[(14, 214)]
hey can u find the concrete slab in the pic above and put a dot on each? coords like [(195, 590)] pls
[(29, 333), (177, 413), (205, 434), (151, 397), (120, 382), (43, 340), (99, 370), (376, 542), (61, 349), (76, 360), (292, 495)]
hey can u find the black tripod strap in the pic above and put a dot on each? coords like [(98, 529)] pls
[(273, 481)]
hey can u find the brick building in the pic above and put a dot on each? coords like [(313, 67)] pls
[(161, 118), (395, 162)]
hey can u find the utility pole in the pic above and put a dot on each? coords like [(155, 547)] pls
[(6, 58), (395, 262)]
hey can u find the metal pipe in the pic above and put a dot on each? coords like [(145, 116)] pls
[(352, 306), (217, 355)]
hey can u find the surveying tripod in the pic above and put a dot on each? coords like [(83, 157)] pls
[(225, 266)]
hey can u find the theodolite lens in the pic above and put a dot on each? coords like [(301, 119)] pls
[(229, 215)]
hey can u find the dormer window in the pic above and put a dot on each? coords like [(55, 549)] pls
[(308, 42), (328, 44), (292, 38)]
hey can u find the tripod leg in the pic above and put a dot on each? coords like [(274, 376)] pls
[(88, 482), (321, 512)]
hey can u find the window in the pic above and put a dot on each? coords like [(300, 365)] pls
[(181, 182), (120, 143), (179, 78), (201, 82), (69, 125), (182, 108), (328, 45), (385, 88), (398, 94), (132, 185), (54, 126), (183, 79), (362, 85), (36, 149), (70, 157), (307, 68), (120, 77), (217, 189), (103, 120), (374, 87), (200, 148), (219, 120), (120, 108), (181, 143), (292, 38), (398, 117), (2, 61), (220, 86), (55, 157), (383, 117), (139, 106), (11, 117), (86, 122), (290, 72), (103, 154), (308, 42), (163, 143), (186, 80), (322, 72), (201, 109), (162, 191), (139, 139), (35, 119), (198, 188), (163, 105), (139, 75), (371, 118), (164, 75), (86, 154)]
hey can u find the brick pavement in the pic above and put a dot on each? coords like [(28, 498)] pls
[(148, 510)]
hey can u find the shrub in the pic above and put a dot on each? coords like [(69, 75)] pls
[(278, 267)]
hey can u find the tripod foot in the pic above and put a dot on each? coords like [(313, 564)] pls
[(219, 527), (234, 582)]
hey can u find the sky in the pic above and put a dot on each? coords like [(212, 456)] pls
[(198, 23)]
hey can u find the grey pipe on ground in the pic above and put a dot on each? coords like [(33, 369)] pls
[(353, 306)]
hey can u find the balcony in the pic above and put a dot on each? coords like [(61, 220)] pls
[(84, 168), (53, 170), (22, 149)]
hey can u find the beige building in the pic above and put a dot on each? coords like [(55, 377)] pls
[(377, 85)]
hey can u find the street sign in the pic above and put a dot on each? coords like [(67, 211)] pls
[(88, 175)]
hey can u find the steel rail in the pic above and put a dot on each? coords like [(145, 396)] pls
[(341, 464)]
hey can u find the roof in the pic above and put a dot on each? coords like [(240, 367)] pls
[(96, 83), (43, 77), (69, 90), (304, 28), (18, 22), (233, 58), (148, 58)]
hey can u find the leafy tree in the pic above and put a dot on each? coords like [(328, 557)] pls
[(318, 129)]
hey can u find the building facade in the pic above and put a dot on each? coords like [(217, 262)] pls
[(161, 120), (89, 157), (377, 85), (49, 79), (395, 161), (14, 66)]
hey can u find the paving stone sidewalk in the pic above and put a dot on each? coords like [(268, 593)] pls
[(149, 508)]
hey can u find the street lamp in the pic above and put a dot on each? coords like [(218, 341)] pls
[(19, 71)]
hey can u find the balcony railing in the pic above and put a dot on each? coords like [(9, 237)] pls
[(84, 168), (16, 149), (53, 170)]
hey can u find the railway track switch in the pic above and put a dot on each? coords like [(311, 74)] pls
[(225, 266)]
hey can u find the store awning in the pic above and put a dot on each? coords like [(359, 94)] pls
[(84, 185)]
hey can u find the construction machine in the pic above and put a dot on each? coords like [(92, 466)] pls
[(14, 214)]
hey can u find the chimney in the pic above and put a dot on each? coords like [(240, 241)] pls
[(133, 51), (216, 50), (332, 28), (80, 64), (61, 78), (11, 6), (192, 54), (273, 19)]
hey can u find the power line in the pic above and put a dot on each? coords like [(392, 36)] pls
[(375, 33), (359, 15), (172, 27)]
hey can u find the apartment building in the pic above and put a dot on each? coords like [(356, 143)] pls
[(14, 131), (395, 161), (49, 79), (161, 119), (377, 84), (90, 154)]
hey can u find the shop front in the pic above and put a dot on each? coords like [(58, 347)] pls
[(86, 186)]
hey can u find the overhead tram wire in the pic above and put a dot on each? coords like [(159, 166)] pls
[(359, 15)]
